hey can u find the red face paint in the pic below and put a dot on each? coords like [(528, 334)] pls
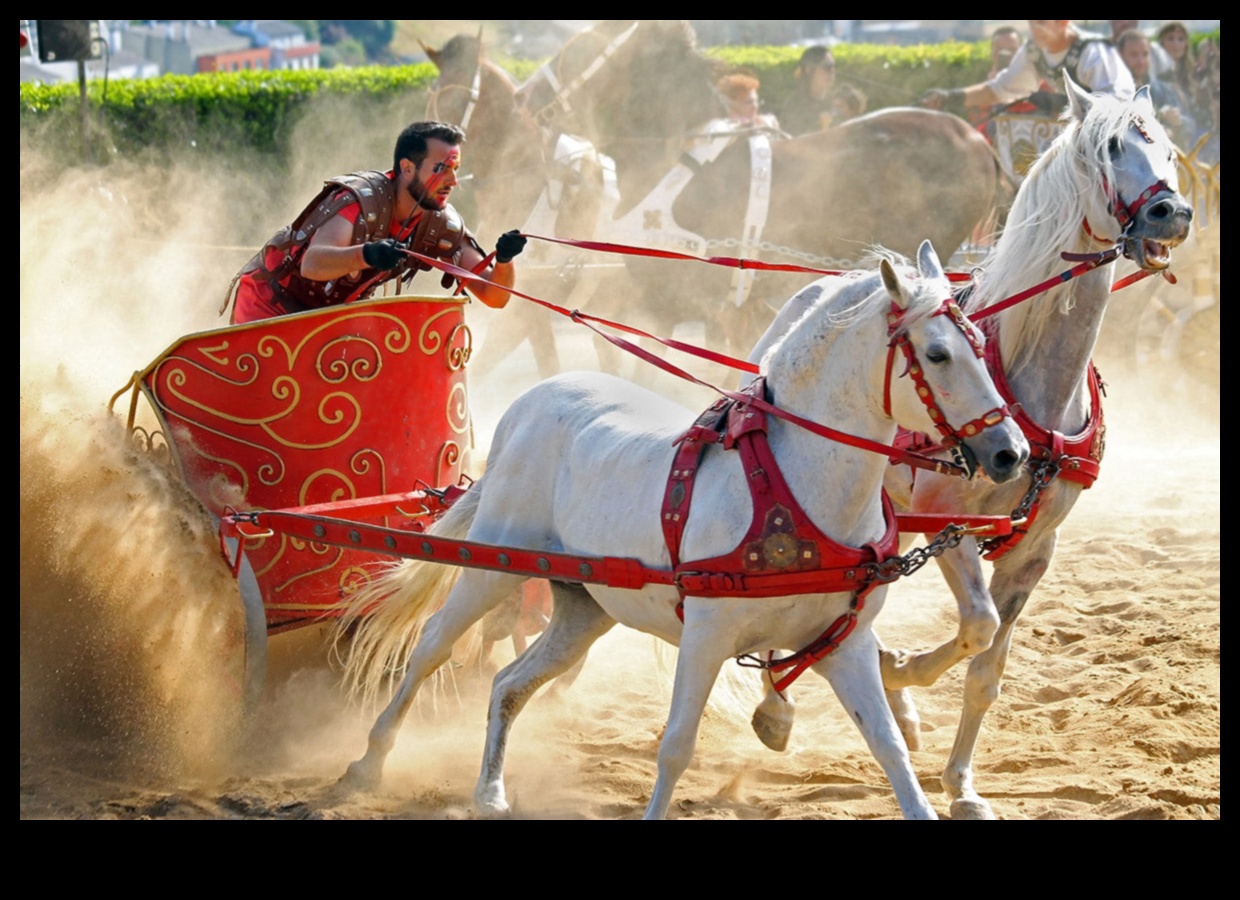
[(442, 171)]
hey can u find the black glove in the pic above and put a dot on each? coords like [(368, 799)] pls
[(938, 98), (384, 254), (510, 244)]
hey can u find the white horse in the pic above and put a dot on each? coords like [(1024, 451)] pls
[(1110, 178), (580, 464)]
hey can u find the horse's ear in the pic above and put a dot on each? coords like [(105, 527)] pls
[(1144, 97), (431, 53), (1079, 100), (928, 261), (891, 281)]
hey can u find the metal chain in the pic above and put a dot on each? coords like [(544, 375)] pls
[(1043, 475), (1041, 479), (898, 566), (823, 262)]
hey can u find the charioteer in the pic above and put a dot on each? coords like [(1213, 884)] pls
[(360, 230)]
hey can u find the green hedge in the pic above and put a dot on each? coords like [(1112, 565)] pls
[(221, 112), (257, 111), (887, 75)]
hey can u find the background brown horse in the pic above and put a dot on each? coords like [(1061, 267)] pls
[(635, 90)]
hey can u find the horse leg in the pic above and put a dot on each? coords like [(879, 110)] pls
[(773, 716), (853, 672), (703, 650), (576, 623), (471, 597), (908, 720), (566, 680), (979, 621), (1011, 585), (542, 342)]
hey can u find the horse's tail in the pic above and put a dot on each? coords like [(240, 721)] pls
[(383, 621)]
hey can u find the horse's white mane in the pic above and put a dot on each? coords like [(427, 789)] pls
[(1046, 216), (845, 300)]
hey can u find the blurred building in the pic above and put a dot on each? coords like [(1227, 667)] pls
[(181, 47)]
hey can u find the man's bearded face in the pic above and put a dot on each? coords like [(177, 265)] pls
[(434, 179)]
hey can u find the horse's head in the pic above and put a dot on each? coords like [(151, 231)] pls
[(475, 94), (945, 389), (630, 87), (1131, 170)]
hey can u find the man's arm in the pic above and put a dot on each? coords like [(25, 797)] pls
[(973, 95), (500, 274), (1103, 71), (332, 252)]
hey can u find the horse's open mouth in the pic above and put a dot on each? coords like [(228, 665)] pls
[(1153, 256)]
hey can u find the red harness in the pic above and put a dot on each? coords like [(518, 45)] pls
[(1052, 454), (1076, 458), (783, 552)]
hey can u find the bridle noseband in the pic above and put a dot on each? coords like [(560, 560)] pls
[(432, 101), (914, 369)]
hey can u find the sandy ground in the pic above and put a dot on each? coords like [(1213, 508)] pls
[(1111, 704)]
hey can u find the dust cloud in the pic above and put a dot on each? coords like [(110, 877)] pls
[(131, 628)]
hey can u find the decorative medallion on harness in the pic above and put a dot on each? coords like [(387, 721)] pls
[(777, 546)]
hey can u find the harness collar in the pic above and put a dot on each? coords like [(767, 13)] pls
[(1076, 458), (783, 552)]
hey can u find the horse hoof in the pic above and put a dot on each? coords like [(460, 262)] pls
[(359, 777), (491, 804), (971, 808), (771, 731)]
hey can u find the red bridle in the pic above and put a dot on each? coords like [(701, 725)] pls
[(914, 370), (1125, 213)]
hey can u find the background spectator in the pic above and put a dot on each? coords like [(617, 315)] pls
[(740, 94), (1187, 82), (808, 107), (1134, 47), (847, 102)]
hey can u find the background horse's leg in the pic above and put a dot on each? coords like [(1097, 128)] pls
[(517, 323), (979, 621), (907, 718), (853, 673), (474, 594), (576, 623), (1014, 579)]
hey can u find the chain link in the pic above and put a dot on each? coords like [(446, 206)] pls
[(1041, 479), (822, 262), (1043, 475), (898, 566)]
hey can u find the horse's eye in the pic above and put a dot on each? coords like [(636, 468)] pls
[(937, 355), (1113, 147)]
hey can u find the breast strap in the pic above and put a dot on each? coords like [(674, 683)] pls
[(1080, 455), (783, 552)]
